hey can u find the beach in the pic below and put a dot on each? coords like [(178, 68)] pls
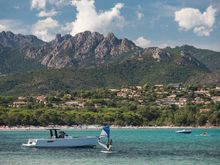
[(96, 127)]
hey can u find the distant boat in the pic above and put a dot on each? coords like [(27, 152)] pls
[(184, 131), (204, 134), (62, 140), (105, 133)]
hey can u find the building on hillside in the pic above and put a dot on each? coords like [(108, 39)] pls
[(19, 104), (198, 100), (74, 104), (121, 94), (182, 101), (139, 87), (41, 99), (217, 89), (114, 90), (204, 110), (203, 92), (216, 98), (174, 85), (21, 98)]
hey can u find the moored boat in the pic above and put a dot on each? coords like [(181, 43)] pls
[(184, 131), (62, 140)]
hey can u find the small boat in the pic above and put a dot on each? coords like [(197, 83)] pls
[(62, 140), (184, 131), (105, 133), (204, 134)]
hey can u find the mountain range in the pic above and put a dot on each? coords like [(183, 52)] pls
[(90, 60)]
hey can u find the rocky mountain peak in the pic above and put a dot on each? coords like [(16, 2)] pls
[(58, 38), (86, 49), (157, 53), (112, 39), (110, 35), (9, 39)]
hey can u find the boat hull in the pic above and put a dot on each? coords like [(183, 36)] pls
[(184, 131), (62, 143)]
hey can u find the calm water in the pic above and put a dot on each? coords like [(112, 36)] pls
[(131, 147)]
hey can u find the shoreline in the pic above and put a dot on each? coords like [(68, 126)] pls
[(98, 127)]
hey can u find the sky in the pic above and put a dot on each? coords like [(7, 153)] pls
[(146, 22)]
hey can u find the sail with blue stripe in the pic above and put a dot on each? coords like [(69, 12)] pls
[(105, 132)]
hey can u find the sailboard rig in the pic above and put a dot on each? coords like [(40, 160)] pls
[(105, 133)]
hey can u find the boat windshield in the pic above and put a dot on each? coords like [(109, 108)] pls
[(62, 134)]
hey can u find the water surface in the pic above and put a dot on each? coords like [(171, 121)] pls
[(131, 146)]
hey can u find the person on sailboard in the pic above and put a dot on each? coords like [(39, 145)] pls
[(109, 145), (105, 133)]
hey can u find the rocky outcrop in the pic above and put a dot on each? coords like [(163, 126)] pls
[(157, 53), (9, 39), (83, 49)]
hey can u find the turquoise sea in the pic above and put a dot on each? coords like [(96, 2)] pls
[(131, 147)]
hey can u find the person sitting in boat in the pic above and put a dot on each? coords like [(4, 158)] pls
[(61, 134), (205, 134), (109, 145)]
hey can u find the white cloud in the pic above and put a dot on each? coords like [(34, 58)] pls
[(5, 25), (38, 4), (164, 45), (17, 7), (67, 28), (41, 4), (47, 14), (13, 25), (140, 15), (46, 29), (59, 3), (142, 42), (87, 18), (201, 23)]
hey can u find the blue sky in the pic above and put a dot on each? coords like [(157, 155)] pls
[(146, 22)]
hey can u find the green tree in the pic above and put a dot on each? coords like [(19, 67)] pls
[(202, 119)]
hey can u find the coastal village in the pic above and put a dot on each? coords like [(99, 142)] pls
[(173, 94), (147, 105)]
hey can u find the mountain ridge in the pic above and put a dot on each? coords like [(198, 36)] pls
[(110, 61), (67, 50)]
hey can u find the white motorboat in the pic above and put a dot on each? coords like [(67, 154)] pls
[(184, 131), (62, 140)]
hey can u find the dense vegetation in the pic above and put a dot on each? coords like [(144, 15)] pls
[(12, 61), (210, 58), (130, 72), (102, 106), (135, 116)]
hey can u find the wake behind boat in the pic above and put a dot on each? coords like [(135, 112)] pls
[(184, 131), (62, 140)]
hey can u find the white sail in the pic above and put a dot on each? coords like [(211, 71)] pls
[(105, 133), (103, 145)]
